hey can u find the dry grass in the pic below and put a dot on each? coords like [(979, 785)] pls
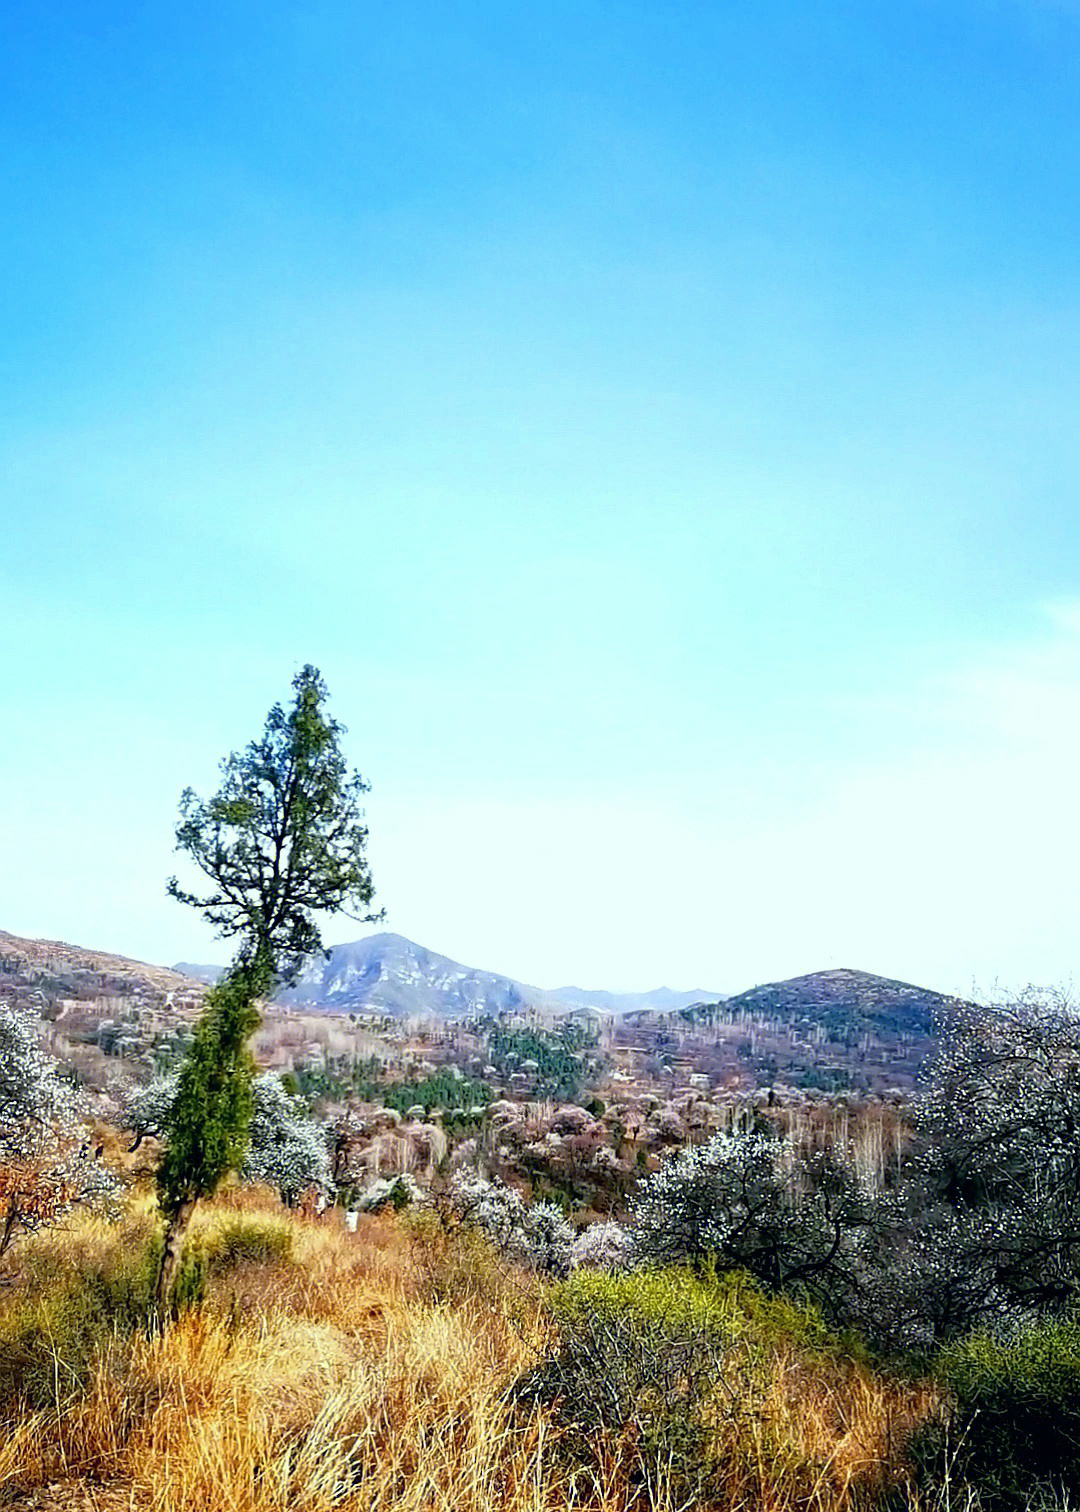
[(369, 1373)]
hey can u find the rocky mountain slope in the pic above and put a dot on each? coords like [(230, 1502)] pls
[(387, 973)]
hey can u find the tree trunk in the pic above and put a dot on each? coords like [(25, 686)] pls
[(175, 1229), (9, 1225)]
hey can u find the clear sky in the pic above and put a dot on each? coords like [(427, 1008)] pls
[(657, 421)]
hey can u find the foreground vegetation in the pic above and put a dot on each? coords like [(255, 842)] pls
[(766, 1328), (406, 1366)]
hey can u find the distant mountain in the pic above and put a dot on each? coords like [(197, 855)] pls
[(387, 973), (846, 1003), (207, 974), (850, 1013), (660, 1000), (829, 1030)]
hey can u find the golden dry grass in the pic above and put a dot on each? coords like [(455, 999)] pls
[(369, 1373)]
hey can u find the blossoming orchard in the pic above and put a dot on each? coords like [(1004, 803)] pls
[(48, 1162)]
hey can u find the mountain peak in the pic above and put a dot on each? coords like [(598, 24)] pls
[(387, 973)]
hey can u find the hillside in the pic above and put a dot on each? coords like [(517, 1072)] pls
[(51, 970), (828, 1030), (847, 1004)]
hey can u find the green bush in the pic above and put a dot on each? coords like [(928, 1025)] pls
[(247, 1237), (1015, 1428), (761, 1320), (661, 1359), (641, 1355), (240, 1238), (49, 1342)]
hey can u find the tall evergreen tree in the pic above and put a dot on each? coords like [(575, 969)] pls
[(281, 841)]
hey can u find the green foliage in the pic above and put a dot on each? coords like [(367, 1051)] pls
[(673, 1299), (642, 1355), (237, 1240), (362, 1079), (247, 1237), (558, 1056), (399, 1196), (283, 838), (48, 1344), (209, 1122), (1016, 1424), (339, 1079), (820, 1078), (170, 1048), (731, 1305), (662, 1359), (440, 1090), (765, 1320)]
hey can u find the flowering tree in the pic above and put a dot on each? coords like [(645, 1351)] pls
[(980, 1228), (537, 1236), (286, 1149), (744, 1201), (604, 1245), (47, 1162), (990, 1226)]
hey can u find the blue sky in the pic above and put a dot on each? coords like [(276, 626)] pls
[(657, 422)]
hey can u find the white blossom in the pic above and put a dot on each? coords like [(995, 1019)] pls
[(47, 1162), (381, 1193), (287, 1148), (537, 1236), (605, 1245)]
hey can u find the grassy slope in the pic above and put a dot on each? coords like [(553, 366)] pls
[(369, 1372)]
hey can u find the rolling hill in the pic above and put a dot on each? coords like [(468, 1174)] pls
[(847, 1004), (831, 1030)]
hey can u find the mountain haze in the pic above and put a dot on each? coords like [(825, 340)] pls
[(659, 1000)]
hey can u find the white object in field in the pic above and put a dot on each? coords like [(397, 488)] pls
[(350, 1221)]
